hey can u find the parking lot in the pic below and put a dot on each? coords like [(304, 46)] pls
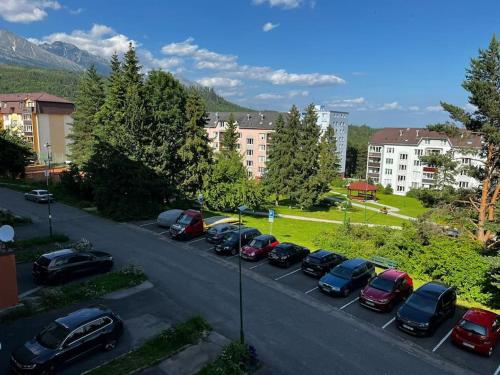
[(439, 343)]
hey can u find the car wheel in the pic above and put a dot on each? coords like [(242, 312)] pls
[(346, 292), (48, 371), (234, 251), (110, 345)]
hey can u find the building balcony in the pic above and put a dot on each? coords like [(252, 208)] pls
[(371, 174), (430, 169), (373, 164), (374, 154)]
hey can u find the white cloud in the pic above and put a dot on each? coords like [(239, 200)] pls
[(269, 26), (206, 59), (390, 106), (219, 82), (347, 103), (286, 95), (294, 93), (414, 108), (470, 107), (268, 96), (434, 108), (76, 11), (26, 11), (149, 61), (285, 4), (229, 94)]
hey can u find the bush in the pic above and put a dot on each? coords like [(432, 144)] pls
[(8, 218), (388, 190), (235, 359)]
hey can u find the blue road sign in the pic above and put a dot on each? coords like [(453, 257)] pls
[(271, 216)]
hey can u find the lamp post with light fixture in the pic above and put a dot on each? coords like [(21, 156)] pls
[(47, 175), (240, 210)]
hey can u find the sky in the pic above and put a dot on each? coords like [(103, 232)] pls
[(386, 62)]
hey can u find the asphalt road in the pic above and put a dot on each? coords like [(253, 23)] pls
[(293, 332)]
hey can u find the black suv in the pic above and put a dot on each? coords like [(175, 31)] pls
[(66, 339), (62, 265), (231, 241), (216, 233), (320, 262), (286, 253), (426, 308)]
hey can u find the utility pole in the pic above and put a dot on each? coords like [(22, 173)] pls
[(240, 210), (47, 174)]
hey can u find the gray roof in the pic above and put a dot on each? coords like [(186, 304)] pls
[(247, 120)]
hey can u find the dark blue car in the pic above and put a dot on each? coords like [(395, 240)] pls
[(345, 277)]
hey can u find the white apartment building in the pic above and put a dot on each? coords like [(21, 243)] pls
[(339, 122), (394, 157)]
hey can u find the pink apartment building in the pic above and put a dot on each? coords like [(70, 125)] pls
[(255, 131)]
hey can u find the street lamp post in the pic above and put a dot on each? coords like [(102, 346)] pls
[(240, 210), (47, 174)]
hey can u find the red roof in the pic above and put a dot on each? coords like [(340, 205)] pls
[(45, 103), (361, 186), (36, 96)]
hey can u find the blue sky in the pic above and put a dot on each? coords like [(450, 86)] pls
[(387, 62)]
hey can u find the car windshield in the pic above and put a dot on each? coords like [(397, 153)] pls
[(473, 327), (44, 262), (258, 244), (185, 219), (315, 260), (42, 192), (382, 284), (342, 272), (422, 303), (52, 336), (231, 237)]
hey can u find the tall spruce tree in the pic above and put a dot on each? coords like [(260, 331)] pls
[(329, 160), (293, 165), (277, 161), (88, 103), (307, 181), (230, 137), (195, 154)]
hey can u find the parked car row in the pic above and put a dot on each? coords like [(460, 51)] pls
[(421, 312), (67, 339)]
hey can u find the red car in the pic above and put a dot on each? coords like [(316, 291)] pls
[(386, 289), (259, 247), (478, 330)]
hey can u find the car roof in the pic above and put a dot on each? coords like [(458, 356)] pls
[(82, 316), (480, 316), (58, 253), (285, 245), (320, 253), (353, 263), (247, 229), (433, 289), (391, 274), (224, 225), (264, 237), (39, 190), (192, 212)]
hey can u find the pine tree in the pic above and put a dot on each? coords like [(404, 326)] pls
[(277, 161), (292, 164), (88, 103), (329, 161), (230, 137), (306, 179), (195, 154), (361, 161)]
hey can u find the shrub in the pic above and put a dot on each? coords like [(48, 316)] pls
[(388, 190), (235, 359)]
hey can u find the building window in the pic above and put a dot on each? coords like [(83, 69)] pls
[(238, 146), (390, 150), (249, 141), (262, 170), (388, 171), (249, 163), (400, 188), (414, 184), (443, 142), (403, 156), (249, 152), (419, 152), (375, 148), (427, 141), (249, 173), (417, 163), (466, 161), (387, 182), (239, 135), (262, 159), (402, 167), (262, 136), (401, 178), (463, 184), (389, 161), (262, 147), (428, 175)]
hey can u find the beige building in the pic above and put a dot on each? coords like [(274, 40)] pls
[(42, 119), (255, 131)]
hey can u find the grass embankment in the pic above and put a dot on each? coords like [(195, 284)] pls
[(156, 349), (8, 218), (31, 249), (56, 297), (235, 359)]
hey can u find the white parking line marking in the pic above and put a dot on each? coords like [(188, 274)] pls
[(145, 225), (312, 290), (347, 304), (497, 372), (259, 264), (288, 274), (164, 232), (27, 293), (197, 240), (388, 323), (442, 341)]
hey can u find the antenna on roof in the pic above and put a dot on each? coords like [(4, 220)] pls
[(217, 115), (417, 132), (401, 133), (248, 116), (261, 115)]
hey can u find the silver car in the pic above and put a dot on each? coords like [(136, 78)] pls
[(39, 196), (167, 218)]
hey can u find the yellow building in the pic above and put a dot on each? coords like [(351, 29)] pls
[(42, 119)]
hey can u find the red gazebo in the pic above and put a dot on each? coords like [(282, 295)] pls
[(364, 190)]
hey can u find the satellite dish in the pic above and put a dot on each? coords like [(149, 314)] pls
[(6, 233)]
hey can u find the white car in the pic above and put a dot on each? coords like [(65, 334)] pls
[(39, 196), (167, 218)]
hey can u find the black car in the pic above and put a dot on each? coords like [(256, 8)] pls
[(216, 233), (67, 339), (287, 253), (345, 277), (426, 308), (62, 265), (320, 262), (231, 241)]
